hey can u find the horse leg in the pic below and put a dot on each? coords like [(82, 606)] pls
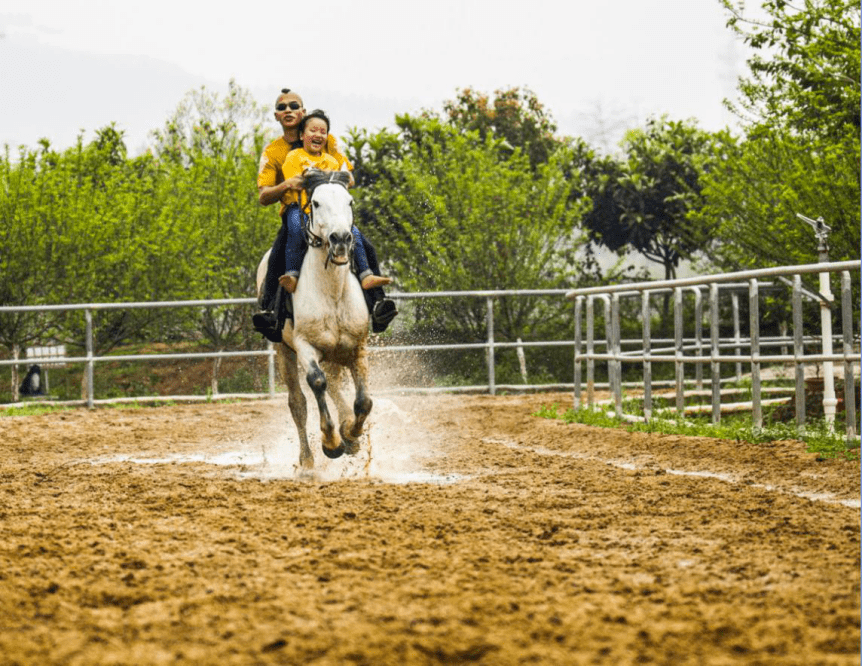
[(345, 413), (296, 400), (314, 375), (362, 403)]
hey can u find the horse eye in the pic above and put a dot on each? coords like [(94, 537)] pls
[(316, 204)]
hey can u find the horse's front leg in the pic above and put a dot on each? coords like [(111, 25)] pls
[(332, 445), (335, 382), (362, 403)]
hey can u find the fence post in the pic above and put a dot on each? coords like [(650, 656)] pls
[(678, 351), (591, 347), (698, 336), (847, 335), (646, 326), (821, 232), (737, 338), (492, 387), (579, 302), (609, 346), (714, 351), (754, 326), (798, 352), (829, 399), (614, 344), (88, 318)]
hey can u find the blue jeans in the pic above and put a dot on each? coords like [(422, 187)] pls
[(295, 246)]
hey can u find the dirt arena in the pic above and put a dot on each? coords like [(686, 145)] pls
[(474, 532)]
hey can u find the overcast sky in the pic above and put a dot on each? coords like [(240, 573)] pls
[(599, 66)]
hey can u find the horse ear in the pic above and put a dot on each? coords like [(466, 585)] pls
[(340, 177)]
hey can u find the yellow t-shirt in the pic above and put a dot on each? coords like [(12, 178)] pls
[(297, 162), (273, 158)]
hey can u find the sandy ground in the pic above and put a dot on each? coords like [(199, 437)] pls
[(466, 531)]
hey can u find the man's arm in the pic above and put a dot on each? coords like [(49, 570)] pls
[(270, 194)]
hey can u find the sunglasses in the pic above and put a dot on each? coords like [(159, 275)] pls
[(292, 105)]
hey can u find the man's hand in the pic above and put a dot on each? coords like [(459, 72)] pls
[(294, 183), (272, 194)]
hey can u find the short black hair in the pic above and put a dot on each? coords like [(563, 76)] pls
[(317, 113)]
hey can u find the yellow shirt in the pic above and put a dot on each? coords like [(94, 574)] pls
[(295, 165), (273, 158)]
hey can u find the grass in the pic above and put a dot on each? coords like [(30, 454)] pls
[(37, 409), (33, 410), (817, 437)]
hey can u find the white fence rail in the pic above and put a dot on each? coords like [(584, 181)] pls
[(699, 355)]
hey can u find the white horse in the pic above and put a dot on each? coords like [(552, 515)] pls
[(330, 322)]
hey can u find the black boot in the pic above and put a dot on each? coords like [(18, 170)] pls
[(266, 323), (382, 314), (269, 323)]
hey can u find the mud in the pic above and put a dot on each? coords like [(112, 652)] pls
[(467, 531)]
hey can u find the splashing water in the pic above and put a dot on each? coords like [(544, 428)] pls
[(394, 449)]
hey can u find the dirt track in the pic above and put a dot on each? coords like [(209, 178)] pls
[(474, 533)]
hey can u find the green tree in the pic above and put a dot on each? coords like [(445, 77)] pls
[(643, 200), (456, 212), (753, 197), (514, 115), (75, 227), (210, 148), (805, 73), (801, 151)]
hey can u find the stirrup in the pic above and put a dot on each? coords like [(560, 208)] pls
[(264, 319), (382, 314), (266, 323)]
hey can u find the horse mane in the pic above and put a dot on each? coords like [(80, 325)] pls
[(314, 177)]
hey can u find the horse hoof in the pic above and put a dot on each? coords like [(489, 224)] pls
[(337, 452), (351, 447)]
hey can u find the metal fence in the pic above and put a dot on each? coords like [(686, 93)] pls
[(700, 352), (611, 352), (490, 346)]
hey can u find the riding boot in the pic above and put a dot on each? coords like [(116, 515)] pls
[(270, 324), (382, 314)]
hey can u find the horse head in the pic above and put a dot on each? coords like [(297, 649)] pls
[(330, 213)]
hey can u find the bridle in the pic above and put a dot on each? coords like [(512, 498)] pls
[(314, 177)]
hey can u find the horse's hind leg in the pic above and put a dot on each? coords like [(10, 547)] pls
[(298, 404)]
